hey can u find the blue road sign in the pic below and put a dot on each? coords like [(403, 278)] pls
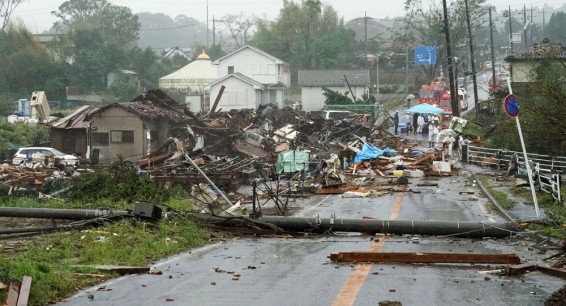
[(511, 106), (425, 55)]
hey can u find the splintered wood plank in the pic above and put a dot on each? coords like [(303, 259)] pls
[(423, 158), (13, 292)]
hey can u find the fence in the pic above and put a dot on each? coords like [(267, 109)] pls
[(547, 170)]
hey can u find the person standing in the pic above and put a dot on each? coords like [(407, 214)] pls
[(396, 121), (432, 133), (420, 123)]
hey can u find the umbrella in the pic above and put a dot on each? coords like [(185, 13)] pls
[(425, 108)]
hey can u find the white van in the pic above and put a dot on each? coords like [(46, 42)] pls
[(335, 114)]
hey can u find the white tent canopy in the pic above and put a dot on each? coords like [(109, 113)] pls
[(196, 75)]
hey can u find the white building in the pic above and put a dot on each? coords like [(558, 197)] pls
[(312, 82), (251, 78), (192, 77)]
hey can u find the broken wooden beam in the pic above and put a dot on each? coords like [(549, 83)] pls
[(25, 289), (399, 257), (524, 268)]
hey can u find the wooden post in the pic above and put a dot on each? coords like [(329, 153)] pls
[(217, 99)]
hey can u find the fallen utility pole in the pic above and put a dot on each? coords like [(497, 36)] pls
[(400, 257), (467, 229), (54, 213)]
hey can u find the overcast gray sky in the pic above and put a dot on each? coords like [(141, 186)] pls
[(36, 14)]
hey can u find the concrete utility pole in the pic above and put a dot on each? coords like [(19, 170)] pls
[(472, 60), (453, 96), (207, 24), (366, 39), (510, 30), (525, 23), (492, 52)]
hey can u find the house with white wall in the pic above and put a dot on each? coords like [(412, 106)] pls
[(313, 81), (251, 77)]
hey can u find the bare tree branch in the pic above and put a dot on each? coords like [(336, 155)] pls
[(7, 7)]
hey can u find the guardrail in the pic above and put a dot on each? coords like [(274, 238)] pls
[(547, 170)]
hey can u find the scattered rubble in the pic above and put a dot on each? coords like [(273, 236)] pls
[(310, 153)]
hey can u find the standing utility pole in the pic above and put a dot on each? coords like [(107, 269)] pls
[(366, 39), (213, 31), (472, 60), (207, 24), (525, 23), (510, 30), (491, 50), (453, 96)]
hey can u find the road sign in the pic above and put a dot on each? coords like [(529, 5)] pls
[(511, 106), (425, 55)]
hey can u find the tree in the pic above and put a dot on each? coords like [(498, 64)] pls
[(26, 65), (424, 23), (238, 27), (299, 32), (555, 28), (7, 7), (97, 40)]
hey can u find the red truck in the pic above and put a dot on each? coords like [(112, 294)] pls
[(432, 93)]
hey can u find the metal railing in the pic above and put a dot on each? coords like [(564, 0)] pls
[(547, 170)]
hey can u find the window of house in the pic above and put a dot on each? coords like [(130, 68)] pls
[(99, 139), (122, 136), (230, 69), (278, 69)]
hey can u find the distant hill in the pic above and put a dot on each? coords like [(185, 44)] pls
[(160, 31)]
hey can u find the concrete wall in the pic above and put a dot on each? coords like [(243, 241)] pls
[(522, 71)]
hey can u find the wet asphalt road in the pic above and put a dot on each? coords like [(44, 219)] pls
[(297, 271)]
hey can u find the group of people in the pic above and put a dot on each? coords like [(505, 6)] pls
[(421, 124)]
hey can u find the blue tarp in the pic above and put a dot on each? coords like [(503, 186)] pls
[(369, 152)]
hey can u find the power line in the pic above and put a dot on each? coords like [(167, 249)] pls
[(175, 27)]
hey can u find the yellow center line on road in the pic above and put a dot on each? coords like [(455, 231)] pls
[(349, 292)]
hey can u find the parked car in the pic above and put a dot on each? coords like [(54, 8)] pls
[(38, 154)]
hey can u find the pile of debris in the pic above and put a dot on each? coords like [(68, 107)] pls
[(236, 147)]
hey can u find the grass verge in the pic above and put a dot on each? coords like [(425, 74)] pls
[(57, 262)]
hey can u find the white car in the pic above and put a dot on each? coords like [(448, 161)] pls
[(38, 154)]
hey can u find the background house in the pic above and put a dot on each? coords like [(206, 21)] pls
[(251, 78), (524, 62), (312, 82)]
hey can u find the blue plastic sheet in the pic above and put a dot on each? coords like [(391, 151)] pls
[(369, 152)]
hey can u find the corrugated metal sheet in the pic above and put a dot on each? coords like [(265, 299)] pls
[(76, 120)]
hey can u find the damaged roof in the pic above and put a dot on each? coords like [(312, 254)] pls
[(333, 78), (542, 50), (147, 110), (77, 119)]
